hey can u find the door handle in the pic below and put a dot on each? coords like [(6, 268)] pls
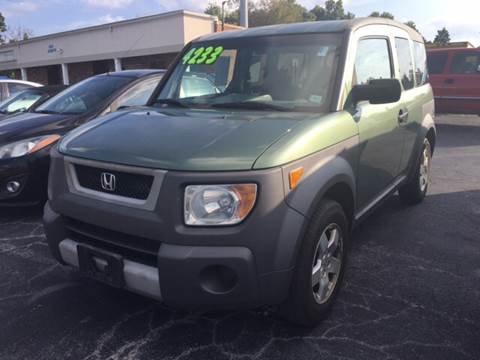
[(449, 81), (403, 116)]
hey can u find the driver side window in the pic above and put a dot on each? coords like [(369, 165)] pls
[(372, 61)]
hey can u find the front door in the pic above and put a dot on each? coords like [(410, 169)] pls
[(381, 140), (462, 85)]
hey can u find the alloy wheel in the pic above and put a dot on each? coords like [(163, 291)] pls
[(327, 263)]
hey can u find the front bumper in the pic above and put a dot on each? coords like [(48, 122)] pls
[(185, 276), (246, 265), (31, 172)]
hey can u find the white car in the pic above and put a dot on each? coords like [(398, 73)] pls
[(9, 87)]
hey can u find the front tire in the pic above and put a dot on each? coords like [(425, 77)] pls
[(320, 266), (416, 189)]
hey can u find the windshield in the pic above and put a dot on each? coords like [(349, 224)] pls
[(293, 73), (20, 102), (84, 96)]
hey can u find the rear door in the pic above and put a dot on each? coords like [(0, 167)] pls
[(461, 93), (416, 97), (437, 69)]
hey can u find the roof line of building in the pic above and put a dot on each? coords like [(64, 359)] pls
[(109, 25)]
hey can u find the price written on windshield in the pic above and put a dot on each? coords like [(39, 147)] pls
[(202, 55)]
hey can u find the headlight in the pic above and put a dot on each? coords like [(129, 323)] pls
[(218, 204), (27, 146)]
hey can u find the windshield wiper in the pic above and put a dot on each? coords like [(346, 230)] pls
[(46, 112), (252, 105), (173, 102)]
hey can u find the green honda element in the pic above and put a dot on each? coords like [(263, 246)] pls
[(240, 184)]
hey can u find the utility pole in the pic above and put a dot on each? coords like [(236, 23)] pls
[(223, 14), (244, 13)]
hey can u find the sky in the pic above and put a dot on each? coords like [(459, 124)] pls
[(460, 17)]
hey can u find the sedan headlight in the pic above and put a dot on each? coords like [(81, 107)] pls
[(218, 204), (27, 146)]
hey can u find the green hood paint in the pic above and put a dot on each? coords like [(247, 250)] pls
[(186, 140), (308, 138)]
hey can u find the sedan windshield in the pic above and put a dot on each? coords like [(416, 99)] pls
[(84, 96), (20, 102), (284, 73)]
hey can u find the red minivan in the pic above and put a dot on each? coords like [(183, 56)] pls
[(455, 78)]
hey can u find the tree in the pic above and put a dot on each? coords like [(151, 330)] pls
[(412, 25), (11, 35), (231, 16), (3, 28), (332, 10), (18, 34), (384, 14), (270, 12), (442, 38), (214, 10)]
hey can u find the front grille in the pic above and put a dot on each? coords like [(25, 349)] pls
[(136, 186), (134, 248)]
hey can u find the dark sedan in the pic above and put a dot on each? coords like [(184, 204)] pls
[(28, 100), (26, 139)]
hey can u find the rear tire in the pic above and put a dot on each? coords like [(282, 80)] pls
[(320, 266), (416, 189)]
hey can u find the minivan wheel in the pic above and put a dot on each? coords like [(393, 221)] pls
[(415, 191), (320, 266)]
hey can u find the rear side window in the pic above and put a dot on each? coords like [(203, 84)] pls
[(404, 54), (436, 63), (372, 61), (467, 63), (14, 88), (421, 74)]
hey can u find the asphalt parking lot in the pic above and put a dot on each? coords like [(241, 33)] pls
[(412, 289)]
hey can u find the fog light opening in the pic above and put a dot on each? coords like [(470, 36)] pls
[(218, 279), (13, 186)]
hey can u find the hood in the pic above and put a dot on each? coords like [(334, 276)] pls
[(178, 139), (27, 125)]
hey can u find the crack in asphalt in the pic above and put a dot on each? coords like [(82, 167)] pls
[(411, 290)]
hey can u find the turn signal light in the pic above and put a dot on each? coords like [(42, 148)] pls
[(295, 176), (44, 143)]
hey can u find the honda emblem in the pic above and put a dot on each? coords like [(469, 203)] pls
[(108, 181)]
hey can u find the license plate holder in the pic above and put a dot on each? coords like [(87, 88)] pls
[(101, 265)]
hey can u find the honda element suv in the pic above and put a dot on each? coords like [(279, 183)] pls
[(240, 183)]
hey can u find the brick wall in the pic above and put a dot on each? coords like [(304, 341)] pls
[(79, 71), (12, 74), (38, 75), (161, 61)]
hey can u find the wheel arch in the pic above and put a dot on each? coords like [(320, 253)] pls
[(432, 137)]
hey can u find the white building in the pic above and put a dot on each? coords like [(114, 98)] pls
[(70, 56)]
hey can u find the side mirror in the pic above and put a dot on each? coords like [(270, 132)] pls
[(381, 91), (478, 69), (21, 110)]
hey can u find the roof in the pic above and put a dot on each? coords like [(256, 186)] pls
[(20, 82), (135, 73), (51, 89), (452, 49), (330, 26), (112, 24)]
